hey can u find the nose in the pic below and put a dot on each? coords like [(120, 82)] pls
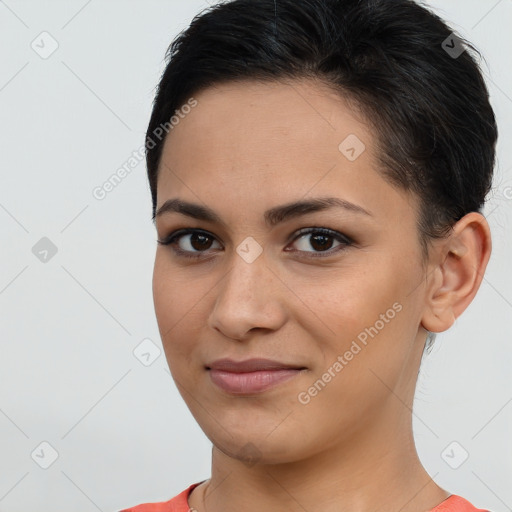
[(250, 297)]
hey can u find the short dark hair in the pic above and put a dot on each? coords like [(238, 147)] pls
[(429, 106)]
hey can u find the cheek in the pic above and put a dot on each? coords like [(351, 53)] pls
[(163, 295), (365, 317), (171, 311), (173, 292), (347, 302), (180, 308)]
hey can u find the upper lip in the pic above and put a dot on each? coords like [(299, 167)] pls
[(250, 365)]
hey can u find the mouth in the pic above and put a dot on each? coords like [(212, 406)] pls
[(252, 375)]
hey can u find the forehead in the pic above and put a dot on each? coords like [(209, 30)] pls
[(266, 143), (237, 119)]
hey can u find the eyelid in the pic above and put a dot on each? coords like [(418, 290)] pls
[(345, 241), (326, 231), (176, 235)]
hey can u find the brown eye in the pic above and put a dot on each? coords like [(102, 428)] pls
[(193, 243), (321, 240), (189, 243), (199, 242)]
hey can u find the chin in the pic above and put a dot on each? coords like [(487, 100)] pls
[(258, 448)]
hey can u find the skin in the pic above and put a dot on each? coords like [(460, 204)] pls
[(247, 147)]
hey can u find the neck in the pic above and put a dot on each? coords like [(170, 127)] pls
[(375, 469)]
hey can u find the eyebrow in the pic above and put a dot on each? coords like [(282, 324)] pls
[(272, 217)]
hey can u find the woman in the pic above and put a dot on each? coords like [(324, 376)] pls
[(317, 169)]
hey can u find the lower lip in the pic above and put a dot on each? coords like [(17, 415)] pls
[(250, 382)]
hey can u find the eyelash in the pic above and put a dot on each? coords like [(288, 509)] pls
[(173, 238)]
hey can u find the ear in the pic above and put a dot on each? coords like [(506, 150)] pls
[(458, 270)]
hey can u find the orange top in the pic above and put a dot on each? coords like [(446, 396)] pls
[(179, 503)]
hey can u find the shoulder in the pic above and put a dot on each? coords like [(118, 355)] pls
[(455, 503), (177, 504)]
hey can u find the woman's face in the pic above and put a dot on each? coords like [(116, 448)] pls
[(343, 307)]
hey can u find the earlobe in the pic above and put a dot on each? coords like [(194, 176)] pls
[(456, 277)]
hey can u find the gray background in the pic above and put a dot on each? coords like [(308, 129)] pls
[(69, 326)]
